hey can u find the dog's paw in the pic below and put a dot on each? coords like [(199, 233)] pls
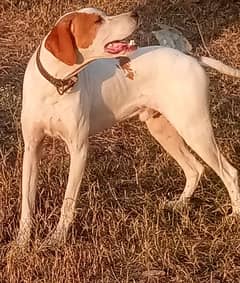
[(55, 240), (178, 204), (22, 241)]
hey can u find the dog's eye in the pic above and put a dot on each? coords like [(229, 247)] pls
[(99, 20)]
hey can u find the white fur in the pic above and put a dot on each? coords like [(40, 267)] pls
[(165, 80), (220, 66)]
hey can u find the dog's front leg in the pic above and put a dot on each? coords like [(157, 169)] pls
[(29, 182), (78, 154)]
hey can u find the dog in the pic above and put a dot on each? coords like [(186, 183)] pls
[(85, 76)]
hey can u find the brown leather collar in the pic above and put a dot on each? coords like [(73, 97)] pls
[(62, 85)]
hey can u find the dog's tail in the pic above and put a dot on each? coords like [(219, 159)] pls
[(219, 66)]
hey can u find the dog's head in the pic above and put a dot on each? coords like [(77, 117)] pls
[(88, 34)]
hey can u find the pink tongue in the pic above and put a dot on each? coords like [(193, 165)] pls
[(116, 47)]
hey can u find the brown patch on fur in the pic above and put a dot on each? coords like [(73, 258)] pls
[(124, 62), (72, 31), (156, 115), (84, 28), (60, 41)]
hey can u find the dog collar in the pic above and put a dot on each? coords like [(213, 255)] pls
[(62, 85)]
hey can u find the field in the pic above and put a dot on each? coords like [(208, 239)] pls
[(124, 230)]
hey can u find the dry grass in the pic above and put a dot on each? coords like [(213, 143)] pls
[(123, 230)]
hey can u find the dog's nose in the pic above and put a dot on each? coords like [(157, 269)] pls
[(134, 14)]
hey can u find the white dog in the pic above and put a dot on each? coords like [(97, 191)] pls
[(166, 88)]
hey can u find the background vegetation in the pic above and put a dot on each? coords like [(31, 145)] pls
[(124, 231)]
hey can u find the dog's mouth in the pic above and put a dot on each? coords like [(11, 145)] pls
[(120, 46)]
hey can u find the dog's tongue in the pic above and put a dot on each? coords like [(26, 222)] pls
[(119, 46)]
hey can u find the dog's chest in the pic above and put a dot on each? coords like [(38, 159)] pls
[(55, 126), (63, 117)]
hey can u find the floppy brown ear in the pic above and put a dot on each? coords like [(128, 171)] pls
[(60, 42)]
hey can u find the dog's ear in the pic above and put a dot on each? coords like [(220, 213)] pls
[(60, 41)]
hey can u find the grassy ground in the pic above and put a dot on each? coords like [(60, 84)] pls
[(123, 231)]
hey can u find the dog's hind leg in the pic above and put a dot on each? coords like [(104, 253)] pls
[(172, 142), (195, 127), (202, 141)]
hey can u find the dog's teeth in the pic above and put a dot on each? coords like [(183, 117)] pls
[(132, 42)]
